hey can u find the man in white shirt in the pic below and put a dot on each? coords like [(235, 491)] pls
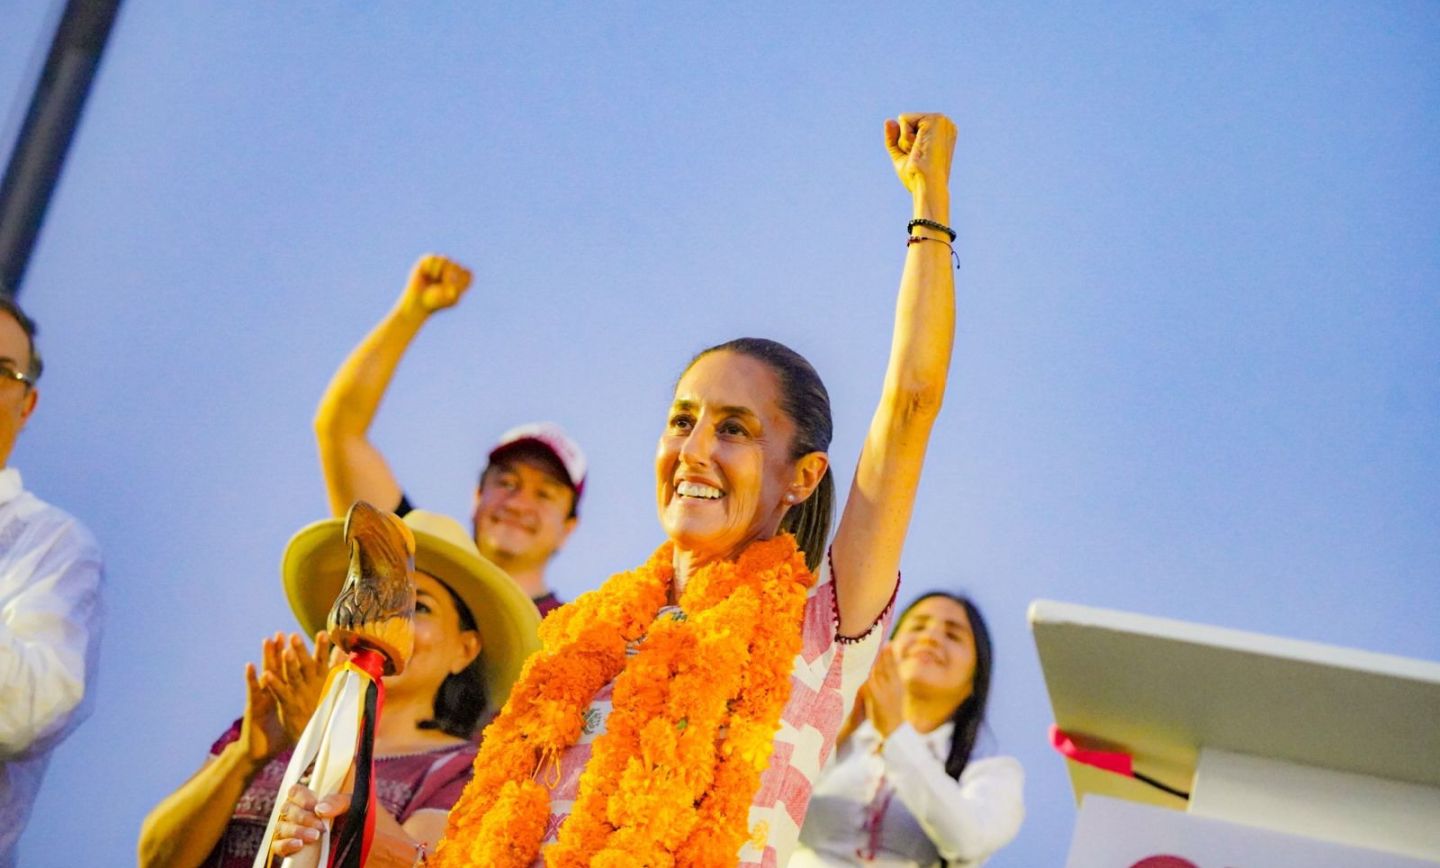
[(50, 573)]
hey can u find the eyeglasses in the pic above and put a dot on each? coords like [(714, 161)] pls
[(9, 373)]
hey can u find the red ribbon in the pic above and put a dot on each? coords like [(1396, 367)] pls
[(372, 663), (369, 660), (1119, 763)]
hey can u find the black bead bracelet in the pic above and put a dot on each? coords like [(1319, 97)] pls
[(930, 224)]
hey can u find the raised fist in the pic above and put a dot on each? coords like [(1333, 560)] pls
[(436, 283), (921, 146)]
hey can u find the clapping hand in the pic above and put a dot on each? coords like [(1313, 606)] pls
[(883, 694), (294, 677), (261, 735)]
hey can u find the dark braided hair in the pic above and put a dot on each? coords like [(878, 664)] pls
[(804, 400), (970, 715)]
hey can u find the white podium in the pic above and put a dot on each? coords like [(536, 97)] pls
[(1309, 741)]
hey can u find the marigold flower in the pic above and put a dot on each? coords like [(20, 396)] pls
[(695, 711)]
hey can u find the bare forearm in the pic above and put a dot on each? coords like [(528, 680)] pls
[(353, 395), (393, 846), (352, 466), (183, 829), (924, 316)]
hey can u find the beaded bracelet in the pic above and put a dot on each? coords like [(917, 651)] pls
[(929, 224), (916, 239)]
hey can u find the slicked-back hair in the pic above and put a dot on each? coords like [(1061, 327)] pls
[(36, 366), (805, 401)]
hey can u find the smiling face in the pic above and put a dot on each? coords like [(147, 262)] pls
[(723, 466), (935, 648), (522, 510), (442, 645)]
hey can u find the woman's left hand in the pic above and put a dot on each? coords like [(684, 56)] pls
[(883, 694)]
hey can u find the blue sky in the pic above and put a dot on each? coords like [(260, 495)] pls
[(1197, 371)]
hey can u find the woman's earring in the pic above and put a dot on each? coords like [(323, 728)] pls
[(789, 498)]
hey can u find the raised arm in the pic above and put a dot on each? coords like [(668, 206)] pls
[(867, 545), (354, 469)]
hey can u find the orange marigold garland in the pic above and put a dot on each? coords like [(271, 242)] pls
[(693, 720), (745, 751)]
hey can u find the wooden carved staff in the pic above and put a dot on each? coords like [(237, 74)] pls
[(373, 622)]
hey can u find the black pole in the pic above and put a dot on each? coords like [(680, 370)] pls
[(45, 136)]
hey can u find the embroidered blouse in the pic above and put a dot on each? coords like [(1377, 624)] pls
[(404, 785)]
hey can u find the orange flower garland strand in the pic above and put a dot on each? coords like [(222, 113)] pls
[(693, 721)]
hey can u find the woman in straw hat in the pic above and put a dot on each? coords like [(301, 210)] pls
[(473, 629), (679, 714)]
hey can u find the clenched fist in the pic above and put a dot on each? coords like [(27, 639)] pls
[(921, 146), (436, 282)]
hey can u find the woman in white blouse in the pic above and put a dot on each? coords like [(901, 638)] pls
[(904, 788)]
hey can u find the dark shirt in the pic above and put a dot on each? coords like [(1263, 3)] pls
[(548, 602)]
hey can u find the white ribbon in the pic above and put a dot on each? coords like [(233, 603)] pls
[(329, 742)]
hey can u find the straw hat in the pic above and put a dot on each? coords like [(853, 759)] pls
[(316, 558)]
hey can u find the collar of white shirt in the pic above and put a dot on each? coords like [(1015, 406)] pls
[(10, 485)]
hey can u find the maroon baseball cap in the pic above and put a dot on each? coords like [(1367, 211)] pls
[(553, 439)]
